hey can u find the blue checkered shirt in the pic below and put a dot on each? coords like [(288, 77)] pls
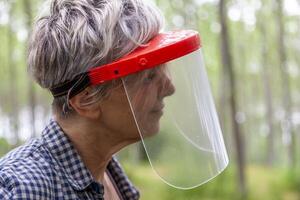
[(49, 167)]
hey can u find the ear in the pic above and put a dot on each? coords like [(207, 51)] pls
[(79, 104)]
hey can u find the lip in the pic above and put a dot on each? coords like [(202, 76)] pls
[(158, 108)]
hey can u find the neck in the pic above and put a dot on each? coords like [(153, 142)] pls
[(95, 144)]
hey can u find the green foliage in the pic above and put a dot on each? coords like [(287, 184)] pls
[(263, 184), (4, 146), (290, 180)]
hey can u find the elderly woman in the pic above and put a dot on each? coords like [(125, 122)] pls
[(109, 69)]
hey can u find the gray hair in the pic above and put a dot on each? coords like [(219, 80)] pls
[(80, 34)]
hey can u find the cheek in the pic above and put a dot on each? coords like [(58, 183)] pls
[(143, 101), (147, 119), (118, 118), (142, 106), (121, 122)]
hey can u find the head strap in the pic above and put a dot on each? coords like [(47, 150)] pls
[(71, 87)]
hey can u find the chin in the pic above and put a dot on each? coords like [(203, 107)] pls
[(150, 125), (151, 131)]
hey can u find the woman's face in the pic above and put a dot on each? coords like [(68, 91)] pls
[(146, 91)]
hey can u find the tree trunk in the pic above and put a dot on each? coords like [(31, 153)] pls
[(228, 65), (31, 92), (14, 111), (268, 96), (287, 102)]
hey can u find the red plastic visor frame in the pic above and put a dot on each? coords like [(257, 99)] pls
[(161, 49)]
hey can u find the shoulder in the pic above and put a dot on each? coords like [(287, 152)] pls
[(14, 186), (25, 173)]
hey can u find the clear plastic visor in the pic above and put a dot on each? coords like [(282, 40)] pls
[(176, 118)]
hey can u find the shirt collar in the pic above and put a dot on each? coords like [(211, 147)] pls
[(66, 156)]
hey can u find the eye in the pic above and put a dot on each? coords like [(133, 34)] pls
[(150, 76)]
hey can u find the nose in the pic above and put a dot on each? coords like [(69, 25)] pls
[(167, 87)]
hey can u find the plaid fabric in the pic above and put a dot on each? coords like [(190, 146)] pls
[(49, 167)]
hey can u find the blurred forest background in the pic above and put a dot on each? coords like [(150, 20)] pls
[(252, 55)]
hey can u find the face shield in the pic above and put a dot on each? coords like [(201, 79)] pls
[(172, 106)]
